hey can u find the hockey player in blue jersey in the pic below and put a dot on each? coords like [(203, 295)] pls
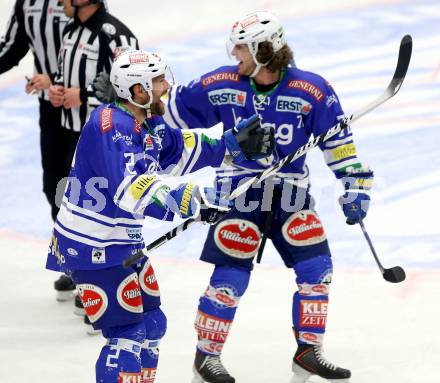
[(112, 186), (297, 104)]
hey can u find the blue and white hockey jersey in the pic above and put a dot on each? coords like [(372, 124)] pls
[(301, 105), (114, 184)]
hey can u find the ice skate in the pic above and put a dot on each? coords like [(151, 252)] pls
[(79, 308), (209, 369), (308, 361), (90, 329), (65, 288)]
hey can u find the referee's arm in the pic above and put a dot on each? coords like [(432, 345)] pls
[(14, 44)]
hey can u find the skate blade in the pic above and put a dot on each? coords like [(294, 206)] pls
[(299, 374), (92, 331), (197, 378), (64, 296), (79, 311)]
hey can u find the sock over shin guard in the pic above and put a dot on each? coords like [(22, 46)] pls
[(217, 307), (310, 302)]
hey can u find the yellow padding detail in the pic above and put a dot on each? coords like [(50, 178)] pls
[(189, 140), (364, 183), (344, 151), (186, 199), (139, 187)]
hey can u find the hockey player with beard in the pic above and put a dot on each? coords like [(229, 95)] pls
[(297, 104), (89, 44), (112, 186)]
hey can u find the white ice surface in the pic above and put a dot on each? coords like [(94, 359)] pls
[(382, 332)]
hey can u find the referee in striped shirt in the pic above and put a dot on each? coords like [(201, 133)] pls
[(37, 25), (91, 40)]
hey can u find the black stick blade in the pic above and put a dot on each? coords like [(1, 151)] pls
[(394, 274), (402, 64)]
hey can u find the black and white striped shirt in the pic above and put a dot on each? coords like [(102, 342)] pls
[(89, 48), (35, 25)]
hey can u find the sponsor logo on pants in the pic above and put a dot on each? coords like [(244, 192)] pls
[(129, 294), (303, 228), (237, 238), (148, 281), (94, 300)]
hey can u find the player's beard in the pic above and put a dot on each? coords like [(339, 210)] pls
[(157, 108)]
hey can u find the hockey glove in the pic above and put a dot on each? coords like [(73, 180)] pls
[(214, 206), (190, 201), (104, 90), (356, 199), (248, 140)]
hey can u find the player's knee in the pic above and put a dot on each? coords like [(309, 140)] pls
[(120, 357), (133, 331), (237, 277), (226, 286), (155, 323), (314, 275)]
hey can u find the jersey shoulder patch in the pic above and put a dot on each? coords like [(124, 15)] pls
[(223, 74), (106, 119), (307, 82), (307, 87)]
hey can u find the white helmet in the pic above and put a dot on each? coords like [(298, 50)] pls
[(137, 67), (254, 28)]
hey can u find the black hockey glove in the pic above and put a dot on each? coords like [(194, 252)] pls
[(248, 140), (104, 90), (213, 205)]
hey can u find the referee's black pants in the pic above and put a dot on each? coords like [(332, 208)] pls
[(57, 149)]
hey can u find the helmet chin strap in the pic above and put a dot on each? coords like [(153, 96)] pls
[(256, 70), (146, 106), (257, 63)]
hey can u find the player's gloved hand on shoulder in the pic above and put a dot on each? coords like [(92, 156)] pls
[(356, 199), (248, 140), (104, 90), (190, 201)]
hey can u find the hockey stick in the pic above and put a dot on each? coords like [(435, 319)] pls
[(394, 274), (393, 87), (158, 242)]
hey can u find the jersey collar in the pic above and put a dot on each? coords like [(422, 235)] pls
[(256, 91)]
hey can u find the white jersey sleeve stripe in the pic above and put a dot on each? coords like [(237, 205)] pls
[(94, 215), (70, 222), (174, 112), (195, 154)]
